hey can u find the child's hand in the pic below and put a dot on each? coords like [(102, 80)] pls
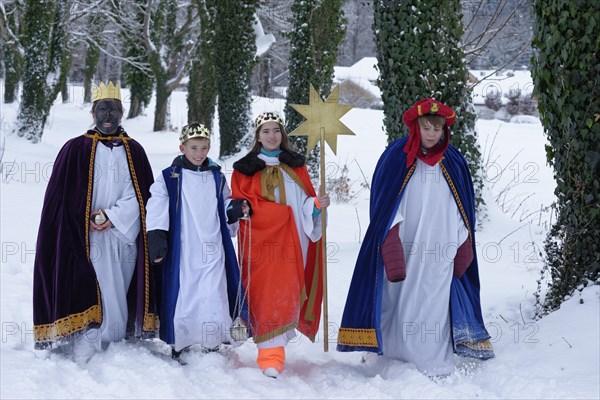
[(238, 209), (102, 226), (324, 200), (245, 208)]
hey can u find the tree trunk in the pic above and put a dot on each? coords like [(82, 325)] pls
[(91, 62), (34, 102), (194, 93), (64, 91), (264, 84), (235, 48), (202, 94), (162, 102), (135, 107), (11, 75)]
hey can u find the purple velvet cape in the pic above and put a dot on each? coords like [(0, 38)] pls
[(66, 295)]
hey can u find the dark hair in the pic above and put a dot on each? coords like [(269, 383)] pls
[(285, 142)]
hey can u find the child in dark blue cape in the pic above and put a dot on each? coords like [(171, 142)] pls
[(414, 295), (191, 218)]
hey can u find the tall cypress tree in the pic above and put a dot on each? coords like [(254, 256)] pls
[(318, 30), (566, 77), (235, 50), (419, 55)]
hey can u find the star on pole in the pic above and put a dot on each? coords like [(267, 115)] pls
[(322, 116)]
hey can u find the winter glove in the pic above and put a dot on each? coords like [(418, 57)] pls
[(158, 245), (234, 211)]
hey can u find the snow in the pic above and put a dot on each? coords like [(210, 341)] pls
[(501, 82), (524, 119), (555, 357), (263, 41), (365, 73)]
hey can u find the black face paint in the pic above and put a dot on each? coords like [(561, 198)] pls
[(107, 116)]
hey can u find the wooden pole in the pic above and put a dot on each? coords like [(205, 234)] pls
[(324, 246)]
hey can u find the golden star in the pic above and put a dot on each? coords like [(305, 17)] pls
[(322, 116)]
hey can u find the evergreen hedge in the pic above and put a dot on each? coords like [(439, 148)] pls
[(202, 86), (318, 30), (235, 50), (419, 55), (566, 76)]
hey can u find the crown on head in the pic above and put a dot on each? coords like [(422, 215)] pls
[(103, 91), (268, 116), (193, 130)]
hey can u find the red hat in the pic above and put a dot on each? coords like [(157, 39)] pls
[(413, 146), (429, 106)]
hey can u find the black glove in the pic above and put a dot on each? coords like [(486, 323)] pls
[(158, 244), (234, 211)]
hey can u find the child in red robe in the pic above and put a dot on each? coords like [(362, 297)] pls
[(280, 245)]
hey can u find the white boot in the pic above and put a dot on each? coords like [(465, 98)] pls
[(271, 372)]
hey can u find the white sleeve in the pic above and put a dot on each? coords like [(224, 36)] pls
[(157, 210), (125, 216), (312, 226)]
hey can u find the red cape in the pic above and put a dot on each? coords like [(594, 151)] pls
[(282, 292)]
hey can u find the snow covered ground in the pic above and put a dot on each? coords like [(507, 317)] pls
[(555, 357)]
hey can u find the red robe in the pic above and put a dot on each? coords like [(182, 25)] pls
[(282, 292)]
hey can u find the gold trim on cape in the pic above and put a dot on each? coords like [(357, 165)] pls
[(357, 337), (274, 333)]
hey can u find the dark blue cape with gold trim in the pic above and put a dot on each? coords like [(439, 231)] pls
[(361, 322), (170, 269)]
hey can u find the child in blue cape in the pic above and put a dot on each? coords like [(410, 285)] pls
[(190, 220)]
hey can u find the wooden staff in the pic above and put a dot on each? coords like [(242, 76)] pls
[(323, 124), (324, 245)]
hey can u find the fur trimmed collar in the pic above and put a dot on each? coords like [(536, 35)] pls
[(251, 164)]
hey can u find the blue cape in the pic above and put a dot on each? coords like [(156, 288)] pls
[(361, 322), (170, 269)]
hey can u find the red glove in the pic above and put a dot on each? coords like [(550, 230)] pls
[(393, 256)]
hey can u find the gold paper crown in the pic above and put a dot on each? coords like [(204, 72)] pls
[(106, 92), (268, 116), (193, 130)]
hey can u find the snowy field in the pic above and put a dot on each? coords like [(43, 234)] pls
[(556, 357)]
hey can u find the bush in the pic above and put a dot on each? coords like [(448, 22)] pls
[(519, 104), (493, 101), (566, 77), (353, 93)]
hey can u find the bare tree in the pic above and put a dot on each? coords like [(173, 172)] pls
[(497, 32), (171, 44)]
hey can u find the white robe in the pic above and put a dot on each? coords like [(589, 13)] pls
[(309, 229), (415, 318), (113, 253), (202, 308)]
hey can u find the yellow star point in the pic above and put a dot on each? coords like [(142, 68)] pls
[(322, 115)]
